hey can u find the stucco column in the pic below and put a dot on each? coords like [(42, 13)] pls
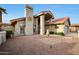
[(42, 24), (36, 25)]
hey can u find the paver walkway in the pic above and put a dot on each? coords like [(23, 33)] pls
[(41, 45)]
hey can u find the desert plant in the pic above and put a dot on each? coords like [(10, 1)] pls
[(59, 33), (3, 10)]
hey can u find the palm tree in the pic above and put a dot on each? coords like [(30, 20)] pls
[(2, 10)]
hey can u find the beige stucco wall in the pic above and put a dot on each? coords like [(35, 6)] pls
[(63, 28), (17, 28), (51, 28), (66, 28), (60, 28), (66, 23)]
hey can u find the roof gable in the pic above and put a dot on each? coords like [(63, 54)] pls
[(58, 21)]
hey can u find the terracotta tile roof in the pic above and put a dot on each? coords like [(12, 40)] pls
[(44, 12), (5, 24), (57, 21), (18, 19)]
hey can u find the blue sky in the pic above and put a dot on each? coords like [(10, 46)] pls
[(59, 11)]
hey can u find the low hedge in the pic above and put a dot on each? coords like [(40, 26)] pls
[(51, 32), (59, 33)]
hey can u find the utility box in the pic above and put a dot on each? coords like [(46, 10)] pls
[(2, 37)]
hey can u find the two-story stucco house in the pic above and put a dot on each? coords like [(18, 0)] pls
[(39, 23)]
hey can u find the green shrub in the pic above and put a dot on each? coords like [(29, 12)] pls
[(8, 34), (55, 32), (60, 33), (51, 32)]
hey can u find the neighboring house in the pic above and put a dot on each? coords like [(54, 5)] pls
[(6, 27), (2, 10), (74, 28)]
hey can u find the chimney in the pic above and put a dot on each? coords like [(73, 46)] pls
[(29, 20)]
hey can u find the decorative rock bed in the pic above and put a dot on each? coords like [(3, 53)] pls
[(2, 37)]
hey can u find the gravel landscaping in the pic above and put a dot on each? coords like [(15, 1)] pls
[(41, 45)]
